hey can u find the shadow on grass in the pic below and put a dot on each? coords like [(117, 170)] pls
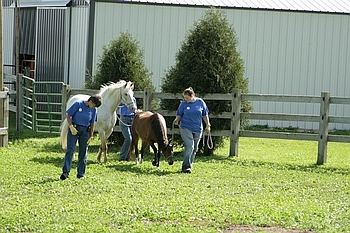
[(311, 168), (130, 167), (44, 181)]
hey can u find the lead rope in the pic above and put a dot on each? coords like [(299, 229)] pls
[(120, 120), (209, 138)]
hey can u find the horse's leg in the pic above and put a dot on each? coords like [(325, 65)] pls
[(158, 157), (103, 148), (143, 149), (134, 143), (104, 144), (99, 154), (154, 162)]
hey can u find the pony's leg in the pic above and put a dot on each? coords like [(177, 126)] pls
[(135, 142), (158, 158), (143, 148), (154, 162)]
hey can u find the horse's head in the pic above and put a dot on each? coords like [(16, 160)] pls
[(168, 152), (127, 95)]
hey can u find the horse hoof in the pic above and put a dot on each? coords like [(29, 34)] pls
[(154, 163)]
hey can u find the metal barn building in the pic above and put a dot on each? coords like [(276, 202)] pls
[(289, 47)]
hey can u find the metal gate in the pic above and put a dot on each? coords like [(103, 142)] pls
[(41, 105)]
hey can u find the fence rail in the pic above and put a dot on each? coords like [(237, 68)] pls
[(236, 116), (236, 98)]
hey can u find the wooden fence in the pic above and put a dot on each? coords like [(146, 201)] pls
[(236, 97), (4, 98)]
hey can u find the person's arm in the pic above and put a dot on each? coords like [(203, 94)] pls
[(73, 130), (207, 122), (69, 119), (92, 129), (206, 119), (177, 120)]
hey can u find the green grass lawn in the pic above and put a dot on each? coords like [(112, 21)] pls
[(271, 183)]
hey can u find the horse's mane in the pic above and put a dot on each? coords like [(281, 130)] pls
[(104, 90), (158, 131)]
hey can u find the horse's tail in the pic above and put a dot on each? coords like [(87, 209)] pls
[(64, 132)]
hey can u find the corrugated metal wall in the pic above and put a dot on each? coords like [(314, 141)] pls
[(78, 47), (8, 41), (284, 52), (51, 44), (27, 29), (55, 36)]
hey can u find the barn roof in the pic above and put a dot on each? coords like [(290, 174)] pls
[(48, 3), (326, 6)]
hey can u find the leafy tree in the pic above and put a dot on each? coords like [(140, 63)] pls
[(209, 62), (121, 59)]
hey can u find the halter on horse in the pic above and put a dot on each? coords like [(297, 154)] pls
[(151, 128), (112, 94)]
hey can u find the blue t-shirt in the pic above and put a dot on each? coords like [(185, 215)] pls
[(82, 114), (124, 111), (191, 114)]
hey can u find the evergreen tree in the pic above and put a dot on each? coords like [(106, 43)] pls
[(121, 59), (208, 61)]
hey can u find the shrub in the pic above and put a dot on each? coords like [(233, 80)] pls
[(209, 62)]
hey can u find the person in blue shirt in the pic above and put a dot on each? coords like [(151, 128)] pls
[(190, 113), (81, 117), (126, 118)]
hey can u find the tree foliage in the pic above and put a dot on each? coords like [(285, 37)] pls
[(208, 61), (121, 59)]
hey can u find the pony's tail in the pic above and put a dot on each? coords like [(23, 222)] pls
[(64, 132)]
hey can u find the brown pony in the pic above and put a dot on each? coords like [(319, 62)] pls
[(151, 128)]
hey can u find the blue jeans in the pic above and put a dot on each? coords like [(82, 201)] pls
[(127, 134), (82, 137), (191, 140)]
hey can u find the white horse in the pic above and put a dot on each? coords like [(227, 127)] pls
[(111, 95)]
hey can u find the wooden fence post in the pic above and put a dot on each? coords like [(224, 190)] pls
[(235, 122), (323, 128), (147, 99), (19, 102), (6, 106), (65, 96), (4, 125)]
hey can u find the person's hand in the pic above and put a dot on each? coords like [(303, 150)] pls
[(207, 128), (73, 130), (90, 139), (175, 122)]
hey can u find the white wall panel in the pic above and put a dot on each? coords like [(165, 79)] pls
[(8, 41), (77, 51), (292, 53)]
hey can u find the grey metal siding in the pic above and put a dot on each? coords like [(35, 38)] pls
[(295, 53), (8, 42), (27, 28), (78, 47), (51, 44)]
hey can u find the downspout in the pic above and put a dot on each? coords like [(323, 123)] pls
[(90, 42), (69, 42)]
